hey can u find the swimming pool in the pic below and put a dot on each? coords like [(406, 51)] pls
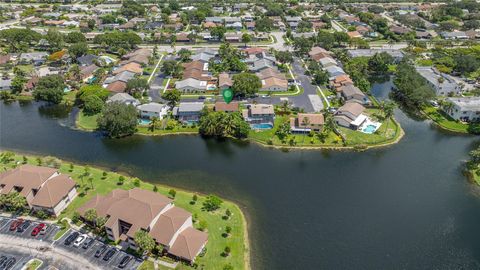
[(261, 126), (369, 129), (144, 122)]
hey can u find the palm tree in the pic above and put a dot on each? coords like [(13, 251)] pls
[(75, 72), (305, 124), (447, 106), (153, 123), (388, 110), (285, 107)]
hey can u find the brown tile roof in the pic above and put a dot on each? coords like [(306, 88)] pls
[(314, 119), (317, 57), (27, 177), (354, 34), (53, 191), (273, 81), (253, 50), (141, 59), (132, 67), (221, 106), (224, 80), (316, 50), (4, 59), (145, 52), (209, 24), (258, 109), (270, 72), (117, 87), (88, 70), (351, 107), (189, 244), (193, 65), (137, 207), (31, 83), (168, 224)]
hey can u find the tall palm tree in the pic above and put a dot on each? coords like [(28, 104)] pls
[(305, 124), (388, 110), (153, 123)]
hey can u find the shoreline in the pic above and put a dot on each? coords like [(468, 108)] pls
[(280, 147), (241, 208)]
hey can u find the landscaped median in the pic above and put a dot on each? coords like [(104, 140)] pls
[(442, 120), (215, 223)]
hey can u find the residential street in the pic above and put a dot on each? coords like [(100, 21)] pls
[(303, 100)]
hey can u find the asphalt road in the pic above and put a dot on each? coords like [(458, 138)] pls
[(303, 101)]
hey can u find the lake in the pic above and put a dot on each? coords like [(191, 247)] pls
[(402, 207)]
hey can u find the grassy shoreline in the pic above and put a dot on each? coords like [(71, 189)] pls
[(440, 120), (238, 241)]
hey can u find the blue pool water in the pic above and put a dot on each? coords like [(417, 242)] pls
[(261, 126), (144, 121), (370, 129)]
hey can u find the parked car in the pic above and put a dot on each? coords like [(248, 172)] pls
[(9, 263), (80, 239), (100, 251), (44, 230), (88, 243), (24, 226), (3, 259), (71, 238), (14, 225), (125, 260), (38, 229), (109, 254)]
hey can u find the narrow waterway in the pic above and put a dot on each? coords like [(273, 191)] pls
[(402, 207)]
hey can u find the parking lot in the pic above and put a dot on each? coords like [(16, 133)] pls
[(47, 237), (89, 254), (19, 259)]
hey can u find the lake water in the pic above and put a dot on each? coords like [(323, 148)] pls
[(403, 207)]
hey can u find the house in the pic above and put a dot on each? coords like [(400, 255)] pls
[(221, 106), (399, 30), (441, 83), (454, 35), (188, 112), (124, 98), (86, 60), (5, 84), (131, 67), (354, 34), (44, 188), (306, 122), (259, 114), (340, 80), (350, 115), (327, 62), (261, 64), (224, 81), (129, 211), (316, 50), (152, 109), (351, 93), (466, 109), (87, 72), (396, 54), (274, 84), (35, 58), (334, 71), (233, 37), (191, 85), (117, 86)]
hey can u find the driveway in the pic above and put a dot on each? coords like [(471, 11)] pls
[(305, 100)]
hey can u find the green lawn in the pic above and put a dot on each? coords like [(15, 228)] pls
[(144, 130), (385, 134), (215, 223), (86, 122), (446, 122), (34, 264)]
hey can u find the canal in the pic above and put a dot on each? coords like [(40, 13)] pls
[(402, 207)]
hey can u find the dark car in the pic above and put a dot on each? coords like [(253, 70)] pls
[(3, 259), (100, 251), (88, 243), (201, 97), (14, 225), (38, 229), (71, 238), (125, 260), (109, 254), (24, 226), (9, 263)]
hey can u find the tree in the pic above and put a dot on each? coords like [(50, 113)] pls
[(172, 193), (153, 123), (171, 68), (218, 32), (212, 203), (283, 131), (55, 40), (75, 37), (264, 24), (184, 55), (246, 38), (144, 241), (222, 124), (388, 109), (90, 215), (246, 84), (137, 85), (78, 49), (92, 105), (172, 97), (411, 88), (75, 73), (19, 39), (378, 64), (284, 56), (376, 9), (466, 63), (325, 39), (50, 88), (131, 8), (18, 84), (92, 90), (116, 40), (118, 120)]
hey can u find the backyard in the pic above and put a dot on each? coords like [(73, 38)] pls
[(446, 122)]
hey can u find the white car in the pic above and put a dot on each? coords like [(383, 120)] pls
[(80, 240)]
